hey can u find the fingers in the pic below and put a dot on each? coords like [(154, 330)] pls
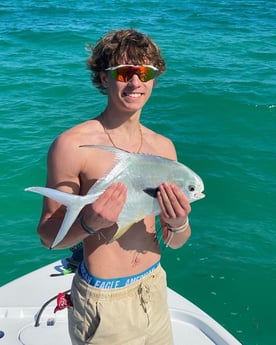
[(111, 202), (114, 198), (172, 201)]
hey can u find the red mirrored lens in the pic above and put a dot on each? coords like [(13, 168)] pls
[(125, 73)]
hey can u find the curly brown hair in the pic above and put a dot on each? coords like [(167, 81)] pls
[(121, 47)]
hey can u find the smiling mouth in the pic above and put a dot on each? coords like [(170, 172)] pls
[(132, 94)]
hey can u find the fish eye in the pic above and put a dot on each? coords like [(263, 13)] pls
[(191, 188)]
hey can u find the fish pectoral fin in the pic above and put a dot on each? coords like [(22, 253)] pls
[(151, 192), (121, 231)]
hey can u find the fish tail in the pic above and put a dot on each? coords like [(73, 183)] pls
[(69, 218), (62, 197), (74, 204)]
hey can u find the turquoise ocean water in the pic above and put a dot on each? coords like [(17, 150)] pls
[(216, 101)]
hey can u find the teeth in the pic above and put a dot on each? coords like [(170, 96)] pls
[(135, 95)]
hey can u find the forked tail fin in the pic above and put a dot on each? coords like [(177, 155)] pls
[(74, 204), (61, 197)]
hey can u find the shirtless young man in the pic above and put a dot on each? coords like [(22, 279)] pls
[(119, 291)]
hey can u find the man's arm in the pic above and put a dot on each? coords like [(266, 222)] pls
[(65, 164), (63, 167)]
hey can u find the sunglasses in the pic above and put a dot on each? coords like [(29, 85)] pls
[(124, 73)]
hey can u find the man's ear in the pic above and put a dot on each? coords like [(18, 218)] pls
[(104, 79)]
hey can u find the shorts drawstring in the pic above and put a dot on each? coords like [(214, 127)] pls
[(144, 296)]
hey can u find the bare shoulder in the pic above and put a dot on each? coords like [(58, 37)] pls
[(159, 144), (82, 134), (68, 145), (66, 158)]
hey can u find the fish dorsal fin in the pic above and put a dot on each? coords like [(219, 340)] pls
[(118, 165), (112, 149), (119, 154)]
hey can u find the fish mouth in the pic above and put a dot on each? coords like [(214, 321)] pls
[(199, 195)]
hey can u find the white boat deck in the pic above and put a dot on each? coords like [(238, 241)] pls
[(21, 300)]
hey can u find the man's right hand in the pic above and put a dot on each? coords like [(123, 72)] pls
[(104, 212)]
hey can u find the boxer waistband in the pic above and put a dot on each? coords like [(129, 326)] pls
[(113, 283)]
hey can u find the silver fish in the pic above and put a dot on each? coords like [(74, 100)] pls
[(142, 174)]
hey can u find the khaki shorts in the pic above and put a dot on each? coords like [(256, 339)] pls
[(133, 315)]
